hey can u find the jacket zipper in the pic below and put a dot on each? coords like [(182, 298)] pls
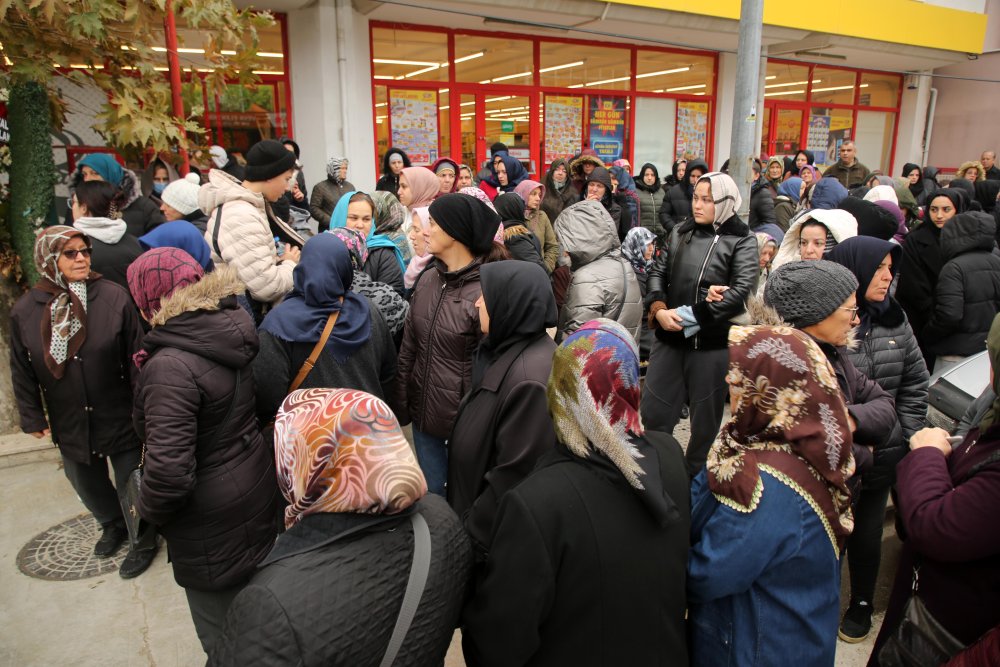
[(430, 335), (697, 285)]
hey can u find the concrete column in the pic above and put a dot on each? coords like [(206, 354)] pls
[(911, 123), (321, 128), (724, 102)]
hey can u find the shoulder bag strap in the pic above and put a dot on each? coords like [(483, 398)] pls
[(314, 355), (414, 587), (215, 231)]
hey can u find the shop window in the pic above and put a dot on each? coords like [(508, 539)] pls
[(879, 90), (409, 55), (381, 123), (413, 124), (785, 82), (873, 137), (493, 60), (678, 73), (654, 133), (467, 122), (607, 126), (508, 121), (575, 66), (247, 114), (691, 140), (833, 86), (563, 123), (828, 128)]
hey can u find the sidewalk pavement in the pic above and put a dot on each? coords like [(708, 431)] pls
[(109, 621)]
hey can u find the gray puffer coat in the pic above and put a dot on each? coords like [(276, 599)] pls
[(603, 284)]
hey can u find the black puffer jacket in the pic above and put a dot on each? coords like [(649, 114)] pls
[(330, 591), (696, 258), (440, 337), (761, 205), (651, 203), (919, 267), (967, 296), (677, 201), (208, 481), (389, 182)]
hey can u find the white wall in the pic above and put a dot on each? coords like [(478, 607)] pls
[(724, 103), (912, 122)]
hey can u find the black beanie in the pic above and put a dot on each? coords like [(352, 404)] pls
[(498, 147), (267, 159), (873, 220), (467, 220)]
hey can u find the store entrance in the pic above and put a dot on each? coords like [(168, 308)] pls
[(485, 118), (784, 137)]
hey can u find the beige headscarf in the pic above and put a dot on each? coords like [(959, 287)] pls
[(726, 195)]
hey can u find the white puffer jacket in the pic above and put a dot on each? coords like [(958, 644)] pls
[(603, 280), (245, 237)]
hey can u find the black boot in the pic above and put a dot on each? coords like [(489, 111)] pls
[(112, 536)]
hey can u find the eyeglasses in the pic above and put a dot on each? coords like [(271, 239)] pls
[(72, 254), (854, 311)]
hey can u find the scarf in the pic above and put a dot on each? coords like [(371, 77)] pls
[(65, 330), (593, 397), (791, 421), (419, 262), (322, 277), (157, 274), (525, 188), (333, 168), (372, 240), (424, 186), (510, 207), (390, 218), (726, 195), (790, 188), (634, 248), (105, 165), (640, 182), (861, 255), (180, 234), (341, 450)]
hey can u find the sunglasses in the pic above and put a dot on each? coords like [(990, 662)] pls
[(72, 254)]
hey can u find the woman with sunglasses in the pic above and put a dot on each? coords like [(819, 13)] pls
[(72, 340)]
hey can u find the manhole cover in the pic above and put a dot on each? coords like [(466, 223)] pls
[(65, 552)]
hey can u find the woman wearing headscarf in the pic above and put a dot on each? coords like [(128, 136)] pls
[(564, 584), (390, 219), (922, 261), (767, 246), (385, 264), (676, 175), (327, 193), (331, 589), (420, 219), (418, 186), (639, 248), (389, 303), (393, 163), (688, 362), (650, 192), (946, 501), (446, 171), (183, 235), (464, 179), (140, 213), (538, 221), (771, 511), (914, 178), (774, 175), (442, 329), (787, 201), (888, 353), (359, 352), (522, 244), (503, 425), (506, 173), (813, 233), (802, 158), (810, 174), (207, 476), (677, 200), (559, 191), (72, 337), (599, 188), (95, 213), (623, 188)]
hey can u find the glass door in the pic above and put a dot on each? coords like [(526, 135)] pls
[(507, 119), (787, 134)]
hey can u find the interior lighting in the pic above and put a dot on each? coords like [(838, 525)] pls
[(422, 71), (558, 67), (383, 76), (471, 56), (643, 76), (792, 83), (499, 99), (180, 49), (511, 76), (822, 90), (415, 63), (265, 71), (680, 88), (785, 92), (381, 104), (615, 80)]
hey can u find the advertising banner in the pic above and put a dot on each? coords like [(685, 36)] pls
[(607, 127), (692, 129), (413, 117), (563, 126)]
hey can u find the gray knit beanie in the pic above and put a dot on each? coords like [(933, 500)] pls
[(807, 292)]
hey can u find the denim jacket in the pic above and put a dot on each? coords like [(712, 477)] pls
[(764, 586)]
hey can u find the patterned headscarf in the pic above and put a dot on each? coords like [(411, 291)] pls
[(483, 197), (634, 248), (726, 195), (593, 397), (389, 213), (65, 330), (333, 168), (341, 450), (790, 421), (157, 274), (355, 242)]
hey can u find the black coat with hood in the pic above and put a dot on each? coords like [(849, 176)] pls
[(761, 204), (651, 203), (555, 200), (677, 201), (146, 182), (886, 351), (967, 295), (577, 175), (697, 257), (208, 480), (389, 182), (113, 248), (617, 208), (503, 425)]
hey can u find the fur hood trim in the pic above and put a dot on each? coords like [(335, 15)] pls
[(202, 295)]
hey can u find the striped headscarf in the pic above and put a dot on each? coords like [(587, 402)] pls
[(341, 450), (726, 195)]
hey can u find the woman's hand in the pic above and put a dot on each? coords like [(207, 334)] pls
[(44, 433), (715, 293), (669, 319), (291, 254), (931, 437)]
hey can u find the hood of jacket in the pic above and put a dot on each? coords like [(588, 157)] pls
[(204, 319), (586, 232), (104, 230), (550, 184), (587, 155), (222, 189), (640, 184), (146, 183), (625, 180), (295, 146), (827, 193), (966, 232)]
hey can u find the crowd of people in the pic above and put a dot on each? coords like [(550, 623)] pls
[(542, 340)]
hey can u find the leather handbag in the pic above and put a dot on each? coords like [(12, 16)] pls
[(920, 640), (134, 523), (307, 366)]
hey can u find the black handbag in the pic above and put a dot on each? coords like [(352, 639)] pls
[(134, 523), (920, 640)]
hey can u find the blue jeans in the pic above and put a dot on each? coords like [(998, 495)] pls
[(432, 454)]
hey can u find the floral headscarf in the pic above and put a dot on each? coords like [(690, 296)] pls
[(790, 421), (341, 450), (355, 242), (634, 248), (593, 397), (483, 197), (65, 330), (333, 168)]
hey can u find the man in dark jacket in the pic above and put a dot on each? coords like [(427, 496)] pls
[(989, 162), (677, 201), (848, 170), (689, 359)]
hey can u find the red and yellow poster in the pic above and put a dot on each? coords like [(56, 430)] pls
[(692, 129), (413, 117), (563, 126)]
